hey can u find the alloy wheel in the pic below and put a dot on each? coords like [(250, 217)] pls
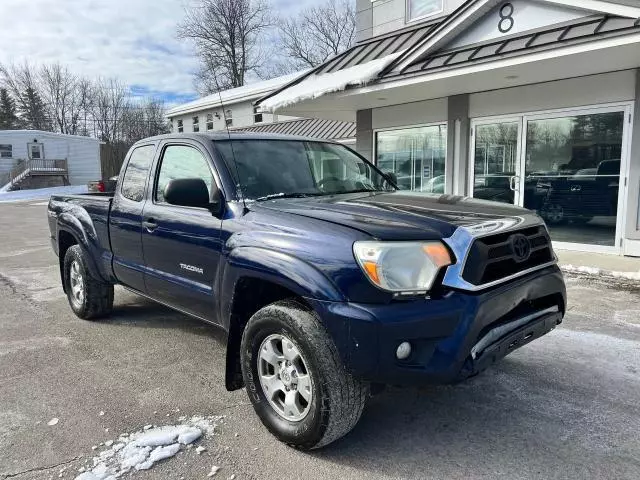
[(285, 378)]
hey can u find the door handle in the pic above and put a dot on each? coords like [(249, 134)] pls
[(512, 182), (576, 188), (150, 225)]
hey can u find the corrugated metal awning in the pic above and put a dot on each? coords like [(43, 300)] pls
[(567, 34), (377, 48), (307, 127)]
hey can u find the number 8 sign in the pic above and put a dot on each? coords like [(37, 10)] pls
[(506, 18)]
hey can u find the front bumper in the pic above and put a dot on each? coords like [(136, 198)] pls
[(443, 332)]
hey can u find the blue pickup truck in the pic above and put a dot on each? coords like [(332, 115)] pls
[(328, 281)]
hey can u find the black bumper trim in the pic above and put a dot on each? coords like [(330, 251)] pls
[(512, 341)]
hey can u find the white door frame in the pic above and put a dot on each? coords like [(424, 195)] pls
[(524, 118), (519, 167)]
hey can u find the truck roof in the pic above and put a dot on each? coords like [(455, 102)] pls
[(234, 135)]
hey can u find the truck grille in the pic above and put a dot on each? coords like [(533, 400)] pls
[(499, 256)]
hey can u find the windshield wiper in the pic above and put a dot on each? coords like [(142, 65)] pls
[(362, 190), (273, 196)]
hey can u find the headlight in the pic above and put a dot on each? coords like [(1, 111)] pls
[(402, 266)]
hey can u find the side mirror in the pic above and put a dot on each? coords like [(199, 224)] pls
[(188, 192)]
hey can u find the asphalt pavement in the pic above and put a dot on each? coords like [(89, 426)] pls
[(564, 407)]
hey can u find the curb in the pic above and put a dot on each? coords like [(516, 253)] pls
[(599, 272)]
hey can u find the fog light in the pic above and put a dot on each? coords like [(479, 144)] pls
[(403, 351)]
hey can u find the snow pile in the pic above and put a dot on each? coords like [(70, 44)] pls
[(601, 272), (142, 449), (41, 193), (315, 86)]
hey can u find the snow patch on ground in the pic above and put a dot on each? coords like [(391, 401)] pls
[(40, 193), (315, 86), (142, 449), (600, 272)]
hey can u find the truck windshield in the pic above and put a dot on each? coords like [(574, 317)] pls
[(267, 169)]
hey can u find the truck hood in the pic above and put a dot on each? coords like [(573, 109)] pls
[(404, 215)]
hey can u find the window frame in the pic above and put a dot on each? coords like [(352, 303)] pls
[(408, 18), (4, 145), (228, 117), (195, 125), (257, 113), (158, 167), (30, 146), (407, 127), (146, 182), (180, 126), (209, 121)]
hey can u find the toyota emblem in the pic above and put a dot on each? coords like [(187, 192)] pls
[(521, 247)]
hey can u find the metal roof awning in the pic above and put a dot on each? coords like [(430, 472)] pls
[(568, 34), (307, 127), (363, 53), (427, 50)]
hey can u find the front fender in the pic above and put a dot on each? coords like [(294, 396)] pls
[(288, 271)]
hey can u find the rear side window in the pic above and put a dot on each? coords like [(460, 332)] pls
[(135, 177), (180, 162)]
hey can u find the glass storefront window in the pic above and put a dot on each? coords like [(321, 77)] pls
[(572, 175), (415, 155)]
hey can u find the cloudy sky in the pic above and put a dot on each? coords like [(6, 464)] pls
[(133, 40)]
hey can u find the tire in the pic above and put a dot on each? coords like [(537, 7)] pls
[(337, 399), (89, 298)]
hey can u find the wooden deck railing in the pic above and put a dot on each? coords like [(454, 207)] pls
[(38, 166)]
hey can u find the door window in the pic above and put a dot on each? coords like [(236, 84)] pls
[(495, 161), (135, 177), (36, 151), (178, 162), (416, 155), (572, 175)]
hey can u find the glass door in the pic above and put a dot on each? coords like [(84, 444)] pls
[(566, 165), (572, 171), (496, 167)]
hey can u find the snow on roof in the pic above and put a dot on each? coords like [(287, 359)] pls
[(315, 86), (235, 95), (42, 133)]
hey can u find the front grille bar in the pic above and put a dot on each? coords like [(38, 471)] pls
[(462, 240)]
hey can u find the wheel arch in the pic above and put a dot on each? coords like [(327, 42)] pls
[(250, 295)]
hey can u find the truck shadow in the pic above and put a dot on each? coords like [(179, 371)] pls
[(142, 313), (515, 417)]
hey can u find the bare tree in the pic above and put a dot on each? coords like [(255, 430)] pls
[(58, 86), (111, 100), (144, 119), (227, 35), (316, 34)]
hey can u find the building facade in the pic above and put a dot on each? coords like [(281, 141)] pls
[(48, 152), (531, 102), (231, 108)]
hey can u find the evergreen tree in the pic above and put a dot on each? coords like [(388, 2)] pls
[(8, 117), (33, 111)]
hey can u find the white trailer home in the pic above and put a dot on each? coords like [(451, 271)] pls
[(35, 159)]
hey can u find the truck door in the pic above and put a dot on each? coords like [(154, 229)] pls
[(125, 220), (181, 245)]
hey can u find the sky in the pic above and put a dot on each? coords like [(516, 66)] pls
[(133, 40)]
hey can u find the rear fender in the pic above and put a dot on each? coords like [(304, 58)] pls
[(79, 225)]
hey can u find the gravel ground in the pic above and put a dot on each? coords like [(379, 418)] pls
[(565, 406)]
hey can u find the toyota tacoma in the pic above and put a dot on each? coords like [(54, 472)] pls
[(328, 281)]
